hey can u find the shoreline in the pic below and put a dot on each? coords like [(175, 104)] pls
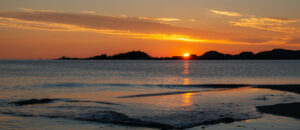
[(281, 109)]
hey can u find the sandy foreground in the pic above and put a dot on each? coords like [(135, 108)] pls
[(214, 107)]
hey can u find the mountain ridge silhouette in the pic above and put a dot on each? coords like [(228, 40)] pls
[(275, 54)]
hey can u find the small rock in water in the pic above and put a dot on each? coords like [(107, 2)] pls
[(227, 120)]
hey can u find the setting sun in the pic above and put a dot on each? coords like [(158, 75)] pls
[(186, 55)]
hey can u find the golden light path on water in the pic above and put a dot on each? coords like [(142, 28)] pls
[(186, 71), (186, 98)]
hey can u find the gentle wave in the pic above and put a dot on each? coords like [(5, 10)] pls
[(74, 85), (47, 100), (122, 119)]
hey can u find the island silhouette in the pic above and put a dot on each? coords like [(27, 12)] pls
[(275, 54)]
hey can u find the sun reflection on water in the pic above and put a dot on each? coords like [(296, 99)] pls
[(186, 72), (186, 81), (186, 68), (186, 99)]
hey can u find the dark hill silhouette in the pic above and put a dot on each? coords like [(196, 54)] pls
[(276, 54), (214, 55), (68, 58), (103, 57), (133, 55), (245, 55)]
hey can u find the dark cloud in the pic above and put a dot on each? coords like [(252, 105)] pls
[(295, 40), (253, 40)]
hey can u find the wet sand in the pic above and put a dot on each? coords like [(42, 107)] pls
[(295, 88), (267, 122), (286, 109), (166, 108)]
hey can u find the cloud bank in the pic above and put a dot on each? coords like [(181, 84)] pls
[(262, 23), (295, 40), (270, 24), (133, 27)]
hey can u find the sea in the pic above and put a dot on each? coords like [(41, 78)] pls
[(143, 94)]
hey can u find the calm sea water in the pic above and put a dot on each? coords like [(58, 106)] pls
[(149, 72), (137, 93)]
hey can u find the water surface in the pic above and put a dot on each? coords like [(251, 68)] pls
[(140, 94)]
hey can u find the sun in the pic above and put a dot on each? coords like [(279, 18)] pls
[(186, 55)]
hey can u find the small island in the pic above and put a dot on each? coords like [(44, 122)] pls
[(275, 54)]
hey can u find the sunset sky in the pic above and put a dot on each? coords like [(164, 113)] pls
[(47, 29)]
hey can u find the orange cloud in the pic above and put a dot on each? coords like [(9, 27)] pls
[(131, 24), (32, 10), (131, 27), (60, 21), (160, 19), (24, 24), (262, 23), (89, 12), (46, 26), (226, 13), (270, 24), (295, 40)]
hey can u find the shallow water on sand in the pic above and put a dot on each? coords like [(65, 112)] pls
[(267, 122), (139, 94)]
